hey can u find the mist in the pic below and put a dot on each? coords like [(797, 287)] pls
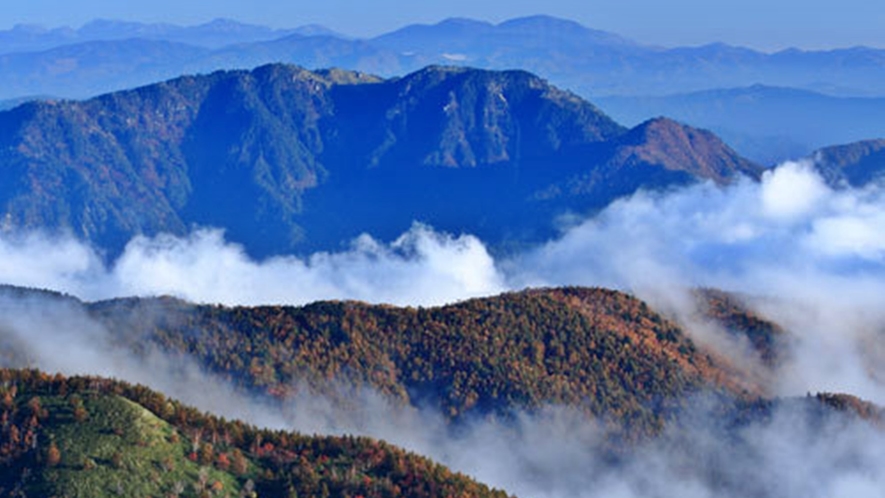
[(58, 336), (552, 452), (804, 255), (808, 257)]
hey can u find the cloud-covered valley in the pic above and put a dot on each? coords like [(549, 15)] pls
[(807, 256)]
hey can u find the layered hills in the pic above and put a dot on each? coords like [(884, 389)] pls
[(285, 158), (602, 351), (766, 105), (93, 437)]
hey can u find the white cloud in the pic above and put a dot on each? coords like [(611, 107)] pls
[(814, 256), (792, 190), (737, 237), (421, 267), (782, 236)]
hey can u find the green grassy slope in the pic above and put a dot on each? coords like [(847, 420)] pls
[(89, 437)]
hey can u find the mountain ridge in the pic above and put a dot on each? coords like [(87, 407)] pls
[(285, 158), (603, 352), (591, 62), (636, 380)]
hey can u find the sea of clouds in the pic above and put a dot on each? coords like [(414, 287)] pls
[(808, 256), (789, 235)]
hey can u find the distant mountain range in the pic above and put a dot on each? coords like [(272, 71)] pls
[(684, 83), (214, 34), (285, 158), (591, 62)]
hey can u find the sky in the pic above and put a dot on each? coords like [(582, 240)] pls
[(761, 24)]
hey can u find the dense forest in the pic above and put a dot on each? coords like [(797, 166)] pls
[(601, 350)]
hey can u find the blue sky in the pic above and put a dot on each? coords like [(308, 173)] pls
[(766, 24)]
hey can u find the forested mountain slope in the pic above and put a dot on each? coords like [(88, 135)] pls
[(603, 352), (287, 159)]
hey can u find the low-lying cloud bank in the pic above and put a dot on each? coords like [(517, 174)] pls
[(764, 238), (789, 235), (812, 257), (421, 267)]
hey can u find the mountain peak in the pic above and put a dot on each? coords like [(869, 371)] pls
[(542, 22), (561, 29), (267, 154), (678, 147), (224, 23)]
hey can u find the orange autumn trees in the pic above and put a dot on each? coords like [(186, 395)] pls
[(604, 351)]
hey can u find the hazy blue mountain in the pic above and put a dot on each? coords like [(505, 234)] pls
[(596, 63), (29, 37), (315, 51), (767, 124), (589, 62), (86, 69), (477, 39), (284, 158), (83, 70), (5, 105), (213, 34)]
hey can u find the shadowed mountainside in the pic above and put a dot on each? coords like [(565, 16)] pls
[(284, 158), (851, 165)]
